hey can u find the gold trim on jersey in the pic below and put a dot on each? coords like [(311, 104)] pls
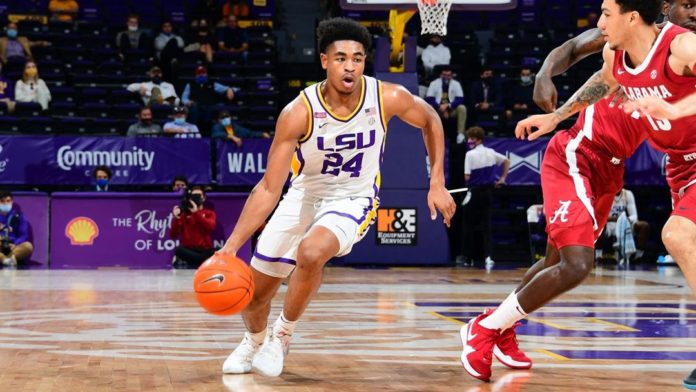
[(355, 111), (382, 110), (310, 123)]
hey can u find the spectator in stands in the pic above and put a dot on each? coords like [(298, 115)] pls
[(168, 48), (233, 40), (193, 226), (156, 91), (485, 93), (179, 183), (446, 95), (201, 96), (435, 54), (31, 88), (480, 177), (133, 37), (520, 97), (228, 129), (16, 46), (624, 207), (102, 177), (202, 40), (144, 126), (179, 127), (238, 8), (7, 92), (63, 10), (14, 233)]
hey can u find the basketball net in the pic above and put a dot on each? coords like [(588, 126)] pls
[(433, 14)]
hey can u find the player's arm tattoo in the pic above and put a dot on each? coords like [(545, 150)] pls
[(592, 91)]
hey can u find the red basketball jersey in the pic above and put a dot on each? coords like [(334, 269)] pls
[(655, 77), (608, 129)]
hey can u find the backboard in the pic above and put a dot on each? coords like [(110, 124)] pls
[(457, 5)]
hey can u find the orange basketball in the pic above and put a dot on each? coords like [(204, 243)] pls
[(223, 285)]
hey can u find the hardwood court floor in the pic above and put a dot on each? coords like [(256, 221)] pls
[(368, 330)]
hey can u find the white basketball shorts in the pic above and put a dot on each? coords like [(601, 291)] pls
[(349, 219)]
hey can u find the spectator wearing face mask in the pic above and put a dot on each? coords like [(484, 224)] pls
[(102, 177), (14, 45), (446, 95), (14, 233), (179, 127), (179, 183), (226, 129), (201, 40), (156, 91), (435, 54), (519, 98), (201, 95), (232, 40), (133, 37), (144, 126), (485, 93), (168, 48), (31, 88)]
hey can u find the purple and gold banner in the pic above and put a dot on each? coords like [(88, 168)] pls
[(70, 160), (131, 230)]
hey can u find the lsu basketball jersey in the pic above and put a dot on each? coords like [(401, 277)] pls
[(340, 157)]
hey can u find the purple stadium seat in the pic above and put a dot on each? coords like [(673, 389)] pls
[(27, 109), (10, 124), (38, 125), (64, 109), (73, 125)]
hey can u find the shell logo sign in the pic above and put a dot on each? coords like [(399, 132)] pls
[(81, 231)]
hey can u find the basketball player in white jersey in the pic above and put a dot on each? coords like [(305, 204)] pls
[(331, 138)]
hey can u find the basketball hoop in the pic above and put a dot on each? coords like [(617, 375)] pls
[(433, 14)]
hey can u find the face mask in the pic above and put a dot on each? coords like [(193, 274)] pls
[(157, 79), (31, 72), (132, 28), (201, 79), (226, 121), (471, 144), (12, 33), (102, 182), (146, 121), (5, 208), (526, 80), (169, 34), (179, 121), (488, 80)]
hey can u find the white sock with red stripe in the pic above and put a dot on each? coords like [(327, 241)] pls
[(507, 314), (283, 324)]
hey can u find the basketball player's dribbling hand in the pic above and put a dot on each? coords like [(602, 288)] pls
[(653, 107), (544, 123), (440, 200)]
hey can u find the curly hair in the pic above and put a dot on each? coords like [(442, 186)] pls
[(648, 10), (340, 29)]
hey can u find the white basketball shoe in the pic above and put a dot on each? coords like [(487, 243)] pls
[(240, 360), (269, 360)]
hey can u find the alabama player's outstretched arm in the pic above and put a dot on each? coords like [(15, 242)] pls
[(416, 112), (291, 126), (601, 84), (560, 60)]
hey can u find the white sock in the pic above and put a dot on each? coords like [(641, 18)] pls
[(282, 324), (507, 314), (258, 337)]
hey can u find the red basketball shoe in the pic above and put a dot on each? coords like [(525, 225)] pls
[(507, 350), (478, 345)]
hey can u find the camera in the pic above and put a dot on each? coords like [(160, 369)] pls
[(5, 246), (189, 197)]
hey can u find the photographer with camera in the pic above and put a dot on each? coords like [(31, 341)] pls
[(14, 233), (193, 225)]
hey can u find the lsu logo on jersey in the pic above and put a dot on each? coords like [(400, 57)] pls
[(347, 141)]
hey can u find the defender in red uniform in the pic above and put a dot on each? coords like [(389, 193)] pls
[(636, 21)]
